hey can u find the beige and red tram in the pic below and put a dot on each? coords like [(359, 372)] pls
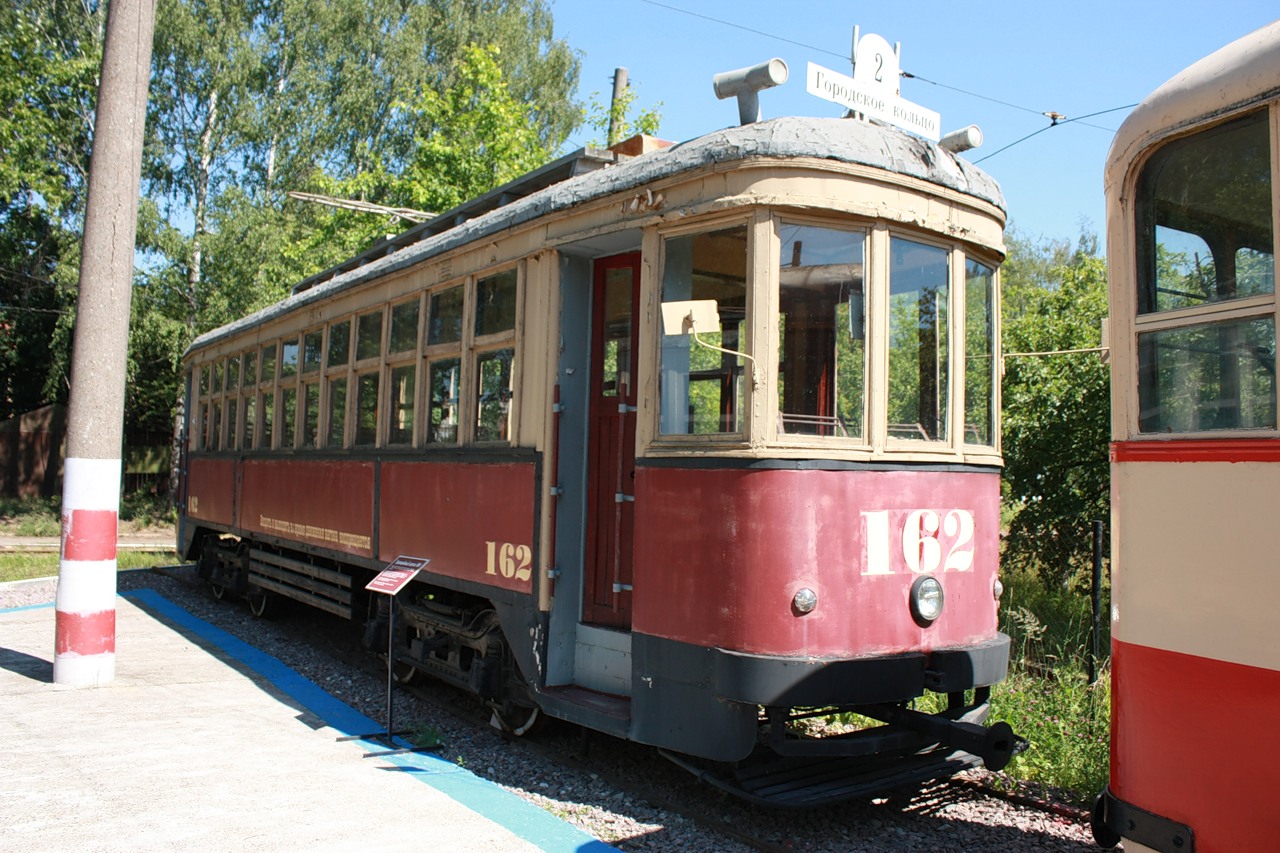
[(699, 440), (1192, 189)]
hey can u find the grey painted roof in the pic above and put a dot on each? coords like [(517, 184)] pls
[(843, 140)]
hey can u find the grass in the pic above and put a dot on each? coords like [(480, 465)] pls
[(1047, 698), (19, 566), (42, 516)]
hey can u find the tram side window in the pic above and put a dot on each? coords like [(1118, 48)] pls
[(336, 363), (444, 366), (495, 322), (702, 390), (979, 353), (1204, 238), (403, 376), (919, 366), (821, 331)]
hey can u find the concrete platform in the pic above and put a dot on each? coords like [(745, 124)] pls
[(204, 743)]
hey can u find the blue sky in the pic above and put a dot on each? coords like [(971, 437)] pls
[(1074, 58)]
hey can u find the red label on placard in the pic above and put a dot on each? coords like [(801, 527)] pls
[(397, 575)]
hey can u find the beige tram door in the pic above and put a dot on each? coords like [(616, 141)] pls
[(611, 453)]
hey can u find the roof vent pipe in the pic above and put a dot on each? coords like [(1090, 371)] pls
[(962, 139), (745, 84)]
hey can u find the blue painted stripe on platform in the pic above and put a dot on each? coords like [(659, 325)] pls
[(486, 798), (26, 607)]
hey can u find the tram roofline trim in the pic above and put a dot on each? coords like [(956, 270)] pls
[(835, 139)]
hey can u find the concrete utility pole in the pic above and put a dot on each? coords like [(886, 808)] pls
[(85, 641), (615, 106)]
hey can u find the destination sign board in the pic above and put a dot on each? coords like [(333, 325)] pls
[(874, 101)]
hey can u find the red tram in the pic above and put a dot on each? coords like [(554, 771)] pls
[(1192, 191), (700, 440)]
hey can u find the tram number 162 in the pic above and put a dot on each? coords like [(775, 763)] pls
[(508, 560), (919, 534)]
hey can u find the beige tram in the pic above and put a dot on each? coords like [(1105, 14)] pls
[(1192, 194), (696, 438)]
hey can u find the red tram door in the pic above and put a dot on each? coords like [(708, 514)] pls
[(611, 460)]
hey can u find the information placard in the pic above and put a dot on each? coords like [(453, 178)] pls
[(397, 574)]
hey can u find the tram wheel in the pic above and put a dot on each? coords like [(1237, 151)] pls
[(261, 603), (218, 591), (404, 673), (516, 720), (1104, 835)]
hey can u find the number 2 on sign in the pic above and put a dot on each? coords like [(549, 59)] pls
[(918, 538), (508, 560)]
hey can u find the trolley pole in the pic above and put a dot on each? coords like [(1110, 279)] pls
[(85, 608)]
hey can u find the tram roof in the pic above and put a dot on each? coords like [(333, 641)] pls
[(1243, 72), (592, 173)]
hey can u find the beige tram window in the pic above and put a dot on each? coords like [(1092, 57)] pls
[(366, 409), (204, 379), (268, 363), (311, 351), (233, 422), (919, 365), (268, 419), (979, 353), (250, 410), (215, 426), (233, 373), (310, 414), (403, 389), (249, 374), (289, 358), (337, 413), (702, 391), (1204, 218), (494, 371), (444, 382), (288, 415), (1203, 213), (404, 328), (339, 354), (822, 331), (444, 324), (495, 311), (369, 336), (216, 387)]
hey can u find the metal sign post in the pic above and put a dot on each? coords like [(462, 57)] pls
[(395, 577)]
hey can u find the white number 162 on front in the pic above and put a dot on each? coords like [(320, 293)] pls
[(917, 536)]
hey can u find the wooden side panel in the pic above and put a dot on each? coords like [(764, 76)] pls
[(211, 489), (323, 503), (474, 521)]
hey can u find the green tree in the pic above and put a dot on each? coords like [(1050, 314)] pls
[(50, 51), (1056, 406), (475, 135)]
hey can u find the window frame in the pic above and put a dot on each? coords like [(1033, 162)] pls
[(1211, 312)]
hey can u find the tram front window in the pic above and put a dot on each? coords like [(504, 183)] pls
[(919, 367), (1204, 237), (821, 332), (702, 389)]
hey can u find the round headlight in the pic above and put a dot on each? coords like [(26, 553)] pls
[(926, 599), (804, 601), (997, 589)]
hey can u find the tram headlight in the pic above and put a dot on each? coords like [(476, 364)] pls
[(804, 601), (926, 599)]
